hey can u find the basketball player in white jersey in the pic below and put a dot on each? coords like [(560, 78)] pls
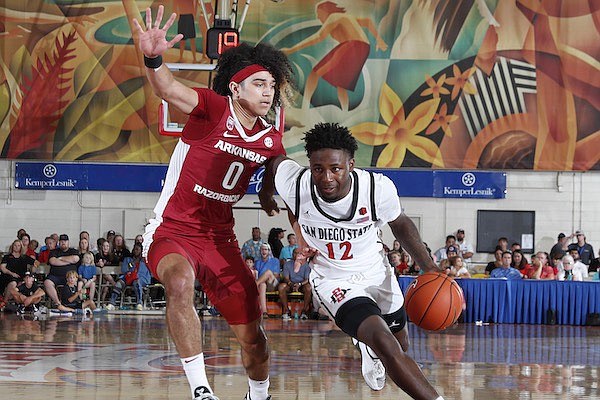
[(337, 210)]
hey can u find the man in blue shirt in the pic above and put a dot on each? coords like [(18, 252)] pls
[(269, 271), (506, 271), (295, 279), (286, 252)]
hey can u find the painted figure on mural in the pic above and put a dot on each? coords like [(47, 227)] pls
[(342, 66)]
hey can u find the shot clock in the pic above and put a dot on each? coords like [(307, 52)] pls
[(220, 38)]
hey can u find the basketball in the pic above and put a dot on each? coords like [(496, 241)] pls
[(433, 301)]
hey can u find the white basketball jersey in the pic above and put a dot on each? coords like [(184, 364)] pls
[(346, 231)]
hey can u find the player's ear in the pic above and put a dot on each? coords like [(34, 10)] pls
[(351, 165), (235, 89)]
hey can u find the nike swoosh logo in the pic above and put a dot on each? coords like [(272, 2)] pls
[(229, 135), (394, 324), (189, 361)]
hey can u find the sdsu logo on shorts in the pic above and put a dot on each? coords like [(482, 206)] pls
[(268, 142)]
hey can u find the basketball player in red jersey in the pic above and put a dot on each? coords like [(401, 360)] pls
[(223, 143)]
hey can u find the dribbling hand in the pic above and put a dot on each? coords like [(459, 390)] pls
[(153, 42)]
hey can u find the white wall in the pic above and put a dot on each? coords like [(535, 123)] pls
[(563, 202)]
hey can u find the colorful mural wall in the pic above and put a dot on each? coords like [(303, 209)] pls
[(457, 84)]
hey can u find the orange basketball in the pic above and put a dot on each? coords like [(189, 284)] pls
[(433, 301)]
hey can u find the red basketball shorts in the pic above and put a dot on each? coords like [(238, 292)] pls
[(220, 269)]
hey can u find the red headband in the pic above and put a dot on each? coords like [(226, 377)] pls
[(246, 72)]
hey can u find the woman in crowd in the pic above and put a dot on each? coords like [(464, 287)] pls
[(120, 250), (105, 258), (13, 267)]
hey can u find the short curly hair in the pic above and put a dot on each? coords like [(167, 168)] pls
[(329, 135), (244, 55)]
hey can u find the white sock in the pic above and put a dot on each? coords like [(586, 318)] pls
[(259, 390), (440, 398), (195, 372)]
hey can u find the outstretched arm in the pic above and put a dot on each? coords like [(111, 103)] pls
[(153, 43), (267, 189), (406, 233)]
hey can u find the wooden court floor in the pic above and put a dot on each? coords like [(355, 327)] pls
[(131, 357)]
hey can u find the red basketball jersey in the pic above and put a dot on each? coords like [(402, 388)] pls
[(210, 169)]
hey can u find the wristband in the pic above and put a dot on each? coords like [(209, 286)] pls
[(153, 63)]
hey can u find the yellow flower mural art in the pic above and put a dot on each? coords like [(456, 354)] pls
[(460, 81), (436, 88), (401, 132)]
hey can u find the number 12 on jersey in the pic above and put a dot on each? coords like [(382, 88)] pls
[(342, 248)]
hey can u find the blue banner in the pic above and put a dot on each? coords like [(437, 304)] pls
[(150, 178)]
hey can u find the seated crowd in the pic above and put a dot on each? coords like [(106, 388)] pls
[(73, 274), (69, 274)]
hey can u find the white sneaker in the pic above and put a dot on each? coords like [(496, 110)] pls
[(202, 393), (247, 397), (87, 311), (286, 317), (139, 307), (372, 368), (110, 307)]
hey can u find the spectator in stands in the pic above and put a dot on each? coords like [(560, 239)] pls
[(44, 255), (415, 269), (585, 250), (62, 260), (465, 248), (492, 265), (535, 269), (561, 247), (595, 263), (451, 251), (14, 265), (400, 261), (503, 243), (555, 263), (251, 247), (458, 268), (396, 246), (28, 294), (120, 250), (110, 236), (547, 272), (249, 260), (73, 296), (33, 245), (295, 279), (286, 252), (26, 240), (519, 261), (274, 240), (105, 258), (515, 246), (20, 233), (568, 272), (92, 246), (577, 264), (506, 271), (440, 254), (134, 273), (87, 272), (269, 271), (139, 239), (84, 247)]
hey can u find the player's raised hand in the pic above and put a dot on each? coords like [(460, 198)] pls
[(153, 41)]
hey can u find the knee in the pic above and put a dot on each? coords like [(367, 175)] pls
[(282, 289)]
